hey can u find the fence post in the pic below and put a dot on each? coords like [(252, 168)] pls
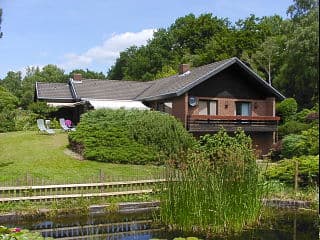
[(296, 174)]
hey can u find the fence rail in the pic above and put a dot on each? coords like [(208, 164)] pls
[(87, 190)]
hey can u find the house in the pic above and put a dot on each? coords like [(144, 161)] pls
[(222, 94)]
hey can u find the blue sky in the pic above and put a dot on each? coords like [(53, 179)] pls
[(91, 33)]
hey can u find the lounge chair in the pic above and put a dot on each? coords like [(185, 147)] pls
[(64, 126), (42, 127)]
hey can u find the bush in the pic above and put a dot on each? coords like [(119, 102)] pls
[(293, 145), (41, 109), (222, 147), (24, 120), (135, 137), (302, 115), (287, 109), (292, 127), (284, 170), (305, 144), (7, 121)]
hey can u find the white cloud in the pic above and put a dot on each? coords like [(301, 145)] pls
[(108, 51)]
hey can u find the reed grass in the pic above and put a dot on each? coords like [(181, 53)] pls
[(209, 197)]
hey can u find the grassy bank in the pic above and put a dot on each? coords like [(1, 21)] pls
[(27, 157)]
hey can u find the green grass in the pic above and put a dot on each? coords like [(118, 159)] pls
[(31, 157)]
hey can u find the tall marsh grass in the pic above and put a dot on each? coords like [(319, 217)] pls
[(216, 190)]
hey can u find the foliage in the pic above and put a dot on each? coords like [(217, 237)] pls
[(223, 147), (12, 82), (7, 100), (8, 103), (299, 74), (305, 144), (213, 191), (287, 109), (284, 170), (293, 145), (88, 74), (137, 137), (24, 120), (292, 127), (19, 234), (7, 120), (41, 109)]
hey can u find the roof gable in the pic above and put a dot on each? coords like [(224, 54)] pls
[(179, 84)]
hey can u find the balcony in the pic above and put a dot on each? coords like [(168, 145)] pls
[(208, 123)]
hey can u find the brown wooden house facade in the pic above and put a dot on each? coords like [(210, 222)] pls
[(224, 94)]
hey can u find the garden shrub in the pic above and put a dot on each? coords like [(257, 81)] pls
[(284, 170), (292, 127), (41, 109), (135, 137), (25, 120), (307, 143), (293, 145), (302, 115), (223, 147), (8, 102), (287, 109)]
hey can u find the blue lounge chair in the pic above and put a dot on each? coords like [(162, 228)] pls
[(42, 127)]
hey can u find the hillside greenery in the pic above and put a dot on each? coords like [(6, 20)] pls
[(136, 137)]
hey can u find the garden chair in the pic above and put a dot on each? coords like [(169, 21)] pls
[(42, 127), (64, 126)]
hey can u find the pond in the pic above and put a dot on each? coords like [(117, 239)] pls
[(276, 224)]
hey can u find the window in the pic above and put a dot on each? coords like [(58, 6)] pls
[(207, 107), (243, 108)]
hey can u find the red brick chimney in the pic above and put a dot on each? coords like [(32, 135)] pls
[(77, 77), (183, 68)]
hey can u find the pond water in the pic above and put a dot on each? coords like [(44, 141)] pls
[(276, 225)]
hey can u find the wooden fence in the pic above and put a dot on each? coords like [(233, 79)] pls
[(69, 191)]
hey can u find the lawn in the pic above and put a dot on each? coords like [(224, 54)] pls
[(31, 157)]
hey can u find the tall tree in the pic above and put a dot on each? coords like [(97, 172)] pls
[(88, 74), (301, 7), (299, 73), (49, 73), (12, 82)]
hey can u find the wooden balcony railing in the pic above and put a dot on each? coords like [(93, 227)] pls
[(248, 123)]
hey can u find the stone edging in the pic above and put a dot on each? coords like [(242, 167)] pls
[(134, 207), (290, 203), (127, 207)]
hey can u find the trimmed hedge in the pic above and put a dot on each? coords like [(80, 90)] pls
[(135, 137)]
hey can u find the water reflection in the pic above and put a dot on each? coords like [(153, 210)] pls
[(275, 225)]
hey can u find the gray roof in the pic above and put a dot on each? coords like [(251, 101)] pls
[(109, 89), (53, 91), (164, 88)]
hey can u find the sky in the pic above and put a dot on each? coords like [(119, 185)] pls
[(89, 34)]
